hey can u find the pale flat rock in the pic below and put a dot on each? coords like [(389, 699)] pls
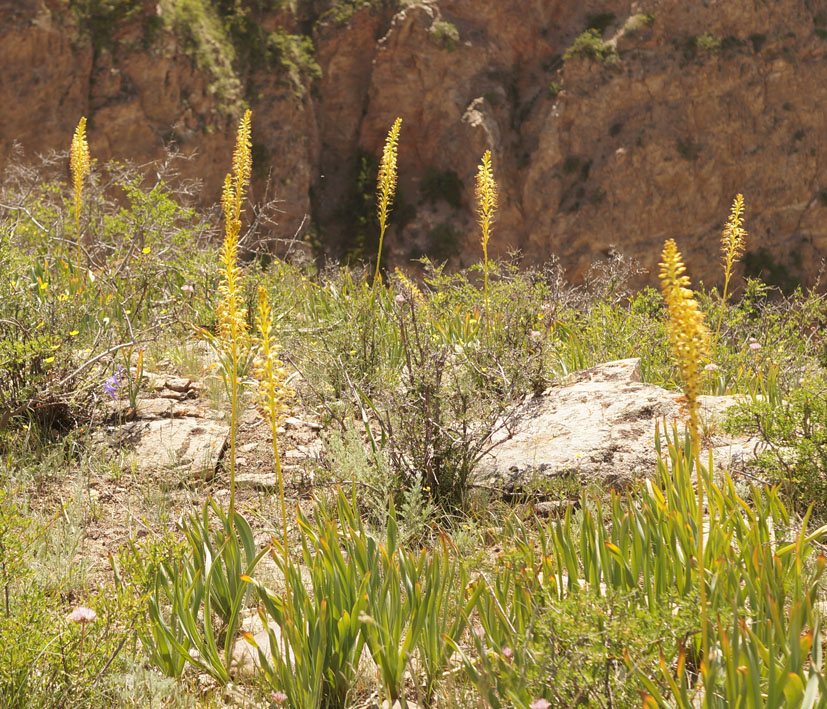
[(599, 425), (187, 444)]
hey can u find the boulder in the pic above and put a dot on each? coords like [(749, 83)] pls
[(189, 445), (599, 426)]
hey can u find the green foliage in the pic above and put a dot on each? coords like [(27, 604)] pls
[(793, 425), (205, 595), (206, 37), (639, 21), (445, 34), (98, 19), (364, 593), (47, 660), (296, 55), (51, 307), (341, 11), (707, 42), (590, 45), (761, 594)]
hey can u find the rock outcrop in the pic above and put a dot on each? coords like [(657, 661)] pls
[(646, 132), (599, 426)]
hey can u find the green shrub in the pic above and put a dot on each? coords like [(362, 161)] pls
[(296, 56), (590, 45), (708, 42), (445, 34), (794, 431)]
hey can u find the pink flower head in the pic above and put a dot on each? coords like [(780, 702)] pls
[(508, 653), (188, 288), (279, 698), (539, 704), (82, 614), (711, 367), (754, 346), (400, 298)]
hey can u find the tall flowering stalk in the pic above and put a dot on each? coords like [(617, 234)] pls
[(386, 186), (232, 323), (79, 165), (486, 206), (689, 338), (733, 243), (273, 393)]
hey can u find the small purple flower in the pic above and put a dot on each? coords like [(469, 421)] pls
[(278, 698), (540, 704), (110, 386), (754, 346)]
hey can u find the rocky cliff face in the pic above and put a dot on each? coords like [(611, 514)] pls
[(645, 130)]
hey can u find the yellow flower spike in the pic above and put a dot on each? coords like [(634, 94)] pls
[(733, 243), (231, 315), (409, 287), (386, 186), (79, 165), (686, 330), (273, 393), (690, 342), (486, 207)]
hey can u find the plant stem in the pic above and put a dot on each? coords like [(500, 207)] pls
[(273, 428), (696, 452), (485, 283), (379, 253), (233, 417), (727, 273)]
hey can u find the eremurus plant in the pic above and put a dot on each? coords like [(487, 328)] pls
[(690, 342), (386, 186), (212, 579), (733, 242), (79, 165), (486, 192), (232, 316), (273, 393)]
